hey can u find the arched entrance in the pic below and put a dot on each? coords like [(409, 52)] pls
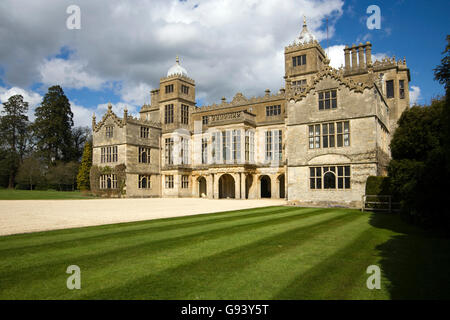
[(265, 187), (226, 187), (202, 191), (281, 183)]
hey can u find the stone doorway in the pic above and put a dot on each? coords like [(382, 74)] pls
[(226, 187), (202, 191), (265, 187)]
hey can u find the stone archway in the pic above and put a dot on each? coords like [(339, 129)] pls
[(226, 187), (265, 189), (202, 187), (281, 184)]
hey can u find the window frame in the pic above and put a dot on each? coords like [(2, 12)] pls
[(168, 113), (148, 184), (342, 177), (331, 100), (390, 91)]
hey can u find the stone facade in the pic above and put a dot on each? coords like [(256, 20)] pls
[(314, 142)]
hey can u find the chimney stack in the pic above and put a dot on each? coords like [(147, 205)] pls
[(368, 54), (362, 64), (354, 59), (347, 58)]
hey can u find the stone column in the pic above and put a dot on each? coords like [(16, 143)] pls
[(237, 186), (242, 177), (274, 187), (354, 59), (216, 186), (362, 64), (210, 186)]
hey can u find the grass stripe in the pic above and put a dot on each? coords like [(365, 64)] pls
[(156, 256), (184, 280), (117, 242)]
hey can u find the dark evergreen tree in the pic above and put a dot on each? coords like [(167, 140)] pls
[(53, 127), (13, 130), (85, 168)]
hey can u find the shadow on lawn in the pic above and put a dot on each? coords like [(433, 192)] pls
[(416, 262)]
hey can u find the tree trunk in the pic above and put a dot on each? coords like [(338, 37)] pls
[(11, 180)]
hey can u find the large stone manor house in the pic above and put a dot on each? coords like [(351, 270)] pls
[(314, 142)]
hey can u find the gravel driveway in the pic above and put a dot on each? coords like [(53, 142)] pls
[(23, 216)]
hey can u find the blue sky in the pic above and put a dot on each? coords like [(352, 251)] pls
[(124, 48)]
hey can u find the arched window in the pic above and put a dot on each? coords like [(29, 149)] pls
[(144, 157), (109, 183), (329, 180)]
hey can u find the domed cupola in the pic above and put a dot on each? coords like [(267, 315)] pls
[(305, 35), (177, 69)]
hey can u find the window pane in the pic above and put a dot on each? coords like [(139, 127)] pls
[(311, 172), (318, 130), (311, 131), (339, 140), (327, 95), (320, 95), (318, 183), (331, 141), (318, 172), (320, 105), (312, 183), (331, 127), (340, 171), (347, 170), (325, 129), (339, 127), (333, 93), (327, 104), (341, 183), (347, 183), (334, 104)]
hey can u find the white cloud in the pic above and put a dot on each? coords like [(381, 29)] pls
[(336, 56), (136, 94), (82, 117), (68, 74), (414, 95), (226, 46)]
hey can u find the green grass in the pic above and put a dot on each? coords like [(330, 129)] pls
[(265, 253), (12, 194)]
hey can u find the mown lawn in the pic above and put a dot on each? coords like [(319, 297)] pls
[(265, 253), (12, 194)]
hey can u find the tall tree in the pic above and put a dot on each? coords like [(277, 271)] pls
[(85, 168), (53, 126), (442, 74), (80, 136), (13, 130)]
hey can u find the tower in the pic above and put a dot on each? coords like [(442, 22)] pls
[(176, 97), (303, 59)]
